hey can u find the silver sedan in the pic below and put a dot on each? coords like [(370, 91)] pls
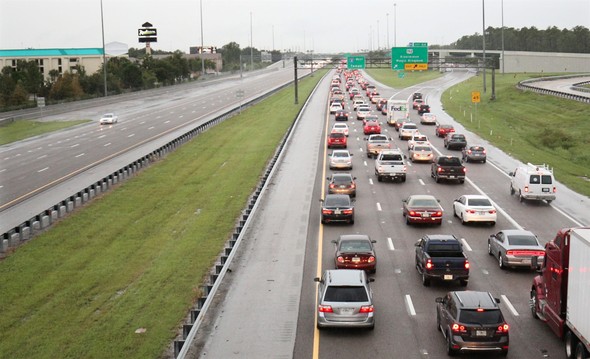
[(515, 248)]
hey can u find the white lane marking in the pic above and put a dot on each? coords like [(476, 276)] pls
[(370, 180), (379, 206), (151, 128), (43, 169), (102, 136), (410, 305), (193, 111), (466, 245), (131, 135), (167, 121), (181, 116), (509, 305), (409, 164), (80, 155), (365, 163), (390, 244), (498, 208), (158, 117), (107, 144), (421, 182), (397, 271), (123, 129), (485, 271), (40, 157), (76, 145), (2, 170), (142, 122)]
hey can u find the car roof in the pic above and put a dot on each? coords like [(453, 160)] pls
[(440, 237), (475, 299), (340, 174), (340, 151), (354, 237), (475, 196), (345, 277), (515, 232), (422, 196)]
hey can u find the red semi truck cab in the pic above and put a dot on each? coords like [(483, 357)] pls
[(560, 294)]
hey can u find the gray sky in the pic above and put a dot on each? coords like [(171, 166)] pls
[(318, 25)]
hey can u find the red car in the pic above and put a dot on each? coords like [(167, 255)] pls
[(422, 209), (337, 139), (442, 130), (355, 251), (372, 127)]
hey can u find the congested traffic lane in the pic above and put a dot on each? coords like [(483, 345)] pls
[(405, 310)]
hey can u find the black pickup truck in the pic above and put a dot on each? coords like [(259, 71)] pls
[(441, 256), (448, 167)]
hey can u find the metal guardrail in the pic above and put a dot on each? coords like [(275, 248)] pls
[(524, 85)]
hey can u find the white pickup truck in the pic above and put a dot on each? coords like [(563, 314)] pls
[(391, 164)]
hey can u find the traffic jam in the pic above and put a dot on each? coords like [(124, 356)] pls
[(364, 123)]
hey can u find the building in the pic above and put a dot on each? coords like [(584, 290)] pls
[(61, 60)]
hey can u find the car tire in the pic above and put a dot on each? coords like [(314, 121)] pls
[(463, 220), (425, 280), (379, 178), (408, 221), (351, 221), (501, 261), (466, 159), (437, 179), (454, 211), (463, 282), (511, 190), (520, 197), (489, 248), (461, 181), (404, 179), (533, 305), (484, 161), (438, 322), (548, 201), (492, 223), (504, 352)]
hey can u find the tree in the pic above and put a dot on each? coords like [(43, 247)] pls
[(230, 55), (67, 86), (28, 73)]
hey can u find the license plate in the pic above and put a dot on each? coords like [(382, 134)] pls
[(356, 259), (337, 211), (451, 176), (425, 215), (481, 213), (526, 261), (481, 333), (448, 277), (545, 189), (346, 311)]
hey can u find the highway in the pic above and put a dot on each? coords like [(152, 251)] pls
[(267, 307), (37, 172)]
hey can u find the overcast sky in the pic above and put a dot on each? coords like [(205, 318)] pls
[(318, 25)]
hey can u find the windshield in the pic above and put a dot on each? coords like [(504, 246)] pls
[(355, 246), (521, 240), (479, 202), (340, 154), (422, 148), (337, 201), (424, 203), (489, 316)]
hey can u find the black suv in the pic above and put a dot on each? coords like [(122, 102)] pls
[(472, 321), (416, 95), (423, 108), (455, 140)]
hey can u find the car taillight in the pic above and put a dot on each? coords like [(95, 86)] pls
[(503, 328), (412, 213), (366, 309), (326, 211), (439, 169), (469, 151), (470, 211), (466, 264), (484, 152), (325, 309), (436, 214), (554, 189), (458, 328), (371, 259), (332, 185), (526, 188), (340, 259), (525, 253), (353, 185), (429, 264), (492, 211), (347, 211), (464, 169)]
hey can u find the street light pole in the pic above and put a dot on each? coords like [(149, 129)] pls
[(502, 36), (378, 44), (251, 50), (483, 11), (387, 30), (104, 56), (202, 41), (394, 25)]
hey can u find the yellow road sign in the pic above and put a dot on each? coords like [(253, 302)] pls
[(475, 97), (412, 66)]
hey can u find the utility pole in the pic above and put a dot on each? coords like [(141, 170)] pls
[(483, 11), (251, 49), (295, 67), (202, 41), (104, 56)]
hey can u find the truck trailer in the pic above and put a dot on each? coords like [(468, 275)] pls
[(560, 294)]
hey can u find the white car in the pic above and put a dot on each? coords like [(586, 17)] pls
[(340, 159), (363, 111), (340, 127), (335, 107), (357, 103), (417, 139), (108, 118), (407, 130), (428, 118), (474, 208)]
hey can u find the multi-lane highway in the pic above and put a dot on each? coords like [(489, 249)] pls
[(77, 157), (267, 308)]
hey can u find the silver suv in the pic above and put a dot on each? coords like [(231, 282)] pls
[(345, 300)]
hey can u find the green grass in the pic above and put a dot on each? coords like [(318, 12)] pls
[(530, 127), (21, 129), (391, 78), (136, 257)]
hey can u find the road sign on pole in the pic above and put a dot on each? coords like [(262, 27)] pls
[(355, 62), (402, 55), (415, 66), (475, 97)]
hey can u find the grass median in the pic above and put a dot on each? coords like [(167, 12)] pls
[(135, 258), (531, 127), (410, 78)]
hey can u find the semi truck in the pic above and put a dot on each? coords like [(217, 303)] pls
[(397, 111), (560, 293)]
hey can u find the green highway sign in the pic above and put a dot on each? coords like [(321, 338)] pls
[(355, 62), (402, 55), (401, 74), (418, 44)]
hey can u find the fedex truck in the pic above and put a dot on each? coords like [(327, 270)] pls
[(397, 112), (560, 294)]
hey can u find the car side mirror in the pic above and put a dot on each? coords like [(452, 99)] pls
[(371, 280), (318, 279), (328, 178), (321, 200), (417, 244), (334, 241), (373, 241), (535, 265), (497, 300), (511, 174), (353, 178), (439, 300)]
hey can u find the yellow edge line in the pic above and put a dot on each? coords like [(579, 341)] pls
[(316, 332)]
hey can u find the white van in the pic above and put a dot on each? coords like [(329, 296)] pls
[(533, 182)]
